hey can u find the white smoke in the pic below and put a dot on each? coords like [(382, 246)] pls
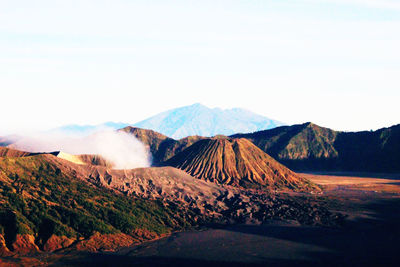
[(120, 148)]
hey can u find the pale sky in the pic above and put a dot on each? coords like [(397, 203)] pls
[(333, 62)]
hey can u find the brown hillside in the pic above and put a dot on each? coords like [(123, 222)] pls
[(236, 162), (12, 153), (150, 138)]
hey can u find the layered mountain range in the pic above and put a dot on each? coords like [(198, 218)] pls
[(51, 201), (302, 147)]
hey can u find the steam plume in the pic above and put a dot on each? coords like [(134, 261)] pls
[(122, 149)]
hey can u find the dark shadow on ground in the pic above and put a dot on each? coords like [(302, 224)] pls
[(371, 240), (117, 260)]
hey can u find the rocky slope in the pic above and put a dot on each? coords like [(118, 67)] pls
[(236, 162), (204, 201)]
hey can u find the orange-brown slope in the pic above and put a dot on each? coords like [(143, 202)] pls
[(236, 162), (13, 153)]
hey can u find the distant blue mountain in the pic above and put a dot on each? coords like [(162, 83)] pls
[(196, 119), (201, 120), (89, 129)]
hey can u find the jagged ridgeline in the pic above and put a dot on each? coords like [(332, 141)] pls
[(236, 162), (309, 147)]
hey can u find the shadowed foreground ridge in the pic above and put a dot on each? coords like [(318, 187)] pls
[(236, 162)]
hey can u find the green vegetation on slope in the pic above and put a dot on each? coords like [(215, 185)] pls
[(311, 147), (37, 198)]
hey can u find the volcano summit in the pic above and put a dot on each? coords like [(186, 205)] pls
[(236, 162)]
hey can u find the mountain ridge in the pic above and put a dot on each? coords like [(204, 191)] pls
[(198, 119), (181, 122), (309, 147)]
